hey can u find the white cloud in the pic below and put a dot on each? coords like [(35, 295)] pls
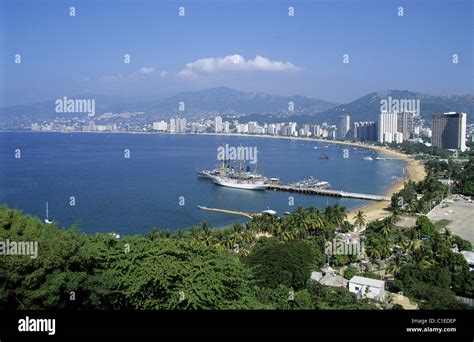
[(164, 73), (236, 63), (111, 78), (146, 71), (143, 71)]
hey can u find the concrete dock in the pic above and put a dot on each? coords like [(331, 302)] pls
[(327, 192), (241, 213)]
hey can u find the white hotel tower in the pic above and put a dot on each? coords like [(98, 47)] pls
[(387, 127)]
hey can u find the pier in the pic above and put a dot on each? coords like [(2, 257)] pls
[(241, 213), (327, 192)]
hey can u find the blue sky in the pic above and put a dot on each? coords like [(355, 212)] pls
[(66, 56)]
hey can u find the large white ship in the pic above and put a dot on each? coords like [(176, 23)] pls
[(239, 183)]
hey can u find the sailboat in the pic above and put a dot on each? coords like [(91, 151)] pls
[(46, 220)]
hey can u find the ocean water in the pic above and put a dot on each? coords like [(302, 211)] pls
[(132, 195)]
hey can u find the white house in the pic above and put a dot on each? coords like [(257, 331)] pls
[(367, 288)]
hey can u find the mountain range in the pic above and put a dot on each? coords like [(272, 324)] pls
[(235, 103)]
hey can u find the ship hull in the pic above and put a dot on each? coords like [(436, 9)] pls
[(236, 185)]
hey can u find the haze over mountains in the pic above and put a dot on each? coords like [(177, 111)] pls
[(258, 105)]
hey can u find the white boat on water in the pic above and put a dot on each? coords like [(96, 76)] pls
[(368, 158), (239, 183)]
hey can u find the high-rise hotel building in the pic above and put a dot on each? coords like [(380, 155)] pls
[(405, 124), (449, 131), (387, 127), (343, 125)]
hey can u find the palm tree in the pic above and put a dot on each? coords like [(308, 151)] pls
[(448, 237), (287, 235), (373, 251), (386, 249), (394, 218), (389, 225), (153, 234), (229, 241), (205, 235), (237, 227), (396, 265), (336, 214), (414, 245), (316, 220), (386, 229), (360, 219)]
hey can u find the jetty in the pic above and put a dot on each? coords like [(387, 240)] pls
[(327, 192), (241, 213)]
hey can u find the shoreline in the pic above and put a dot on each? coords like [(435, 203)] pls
[(413, 169)]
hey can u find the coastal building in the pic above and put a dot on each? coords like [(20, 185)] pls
[(218, 124), (271, 129), (449, 131), (354, 131), (367, 131), (306, 130), (343, 125), (181, 125), (387, 137), (427, 132), (387, 126), (405, 124), (363, 131), (242, 128), (293, 130), (177, 125), (317, 131), (367, 288), (160, 126), (226, 127), (398, 137), (172, 125), (197, 127)]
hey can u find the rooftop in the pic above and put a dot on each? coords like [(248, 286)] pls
[(367, 281)]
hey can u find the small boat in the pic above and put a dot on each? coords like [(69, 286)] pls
[(368, 158), (46, 220)]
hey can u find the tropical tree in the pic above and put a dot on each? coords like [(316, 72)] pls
[(395, 265), (336, 214), (153, 234), (373, 251), (360, 219)]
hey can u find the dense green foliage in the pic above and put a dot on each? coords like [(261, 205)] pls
[(466, 179), (103, 272), (289, 264), (422, 262), (200, 268), (415, 148), (235, 268)]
